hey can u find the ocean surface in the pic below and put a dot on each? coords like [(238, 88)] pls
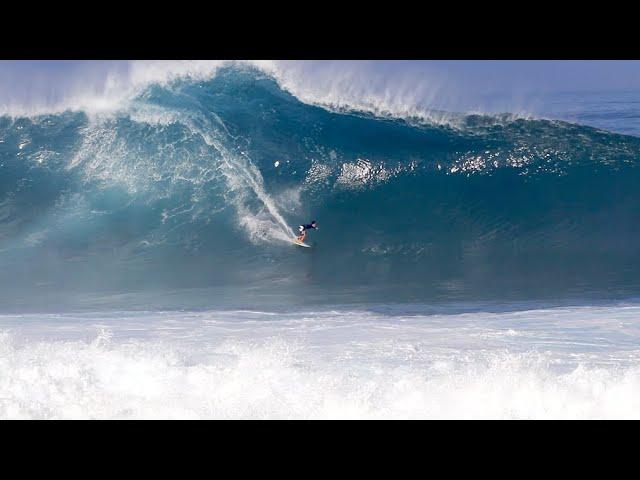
[(467, 265)]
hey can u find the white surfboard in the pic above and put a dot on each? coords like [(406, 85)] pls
[(302, 244)]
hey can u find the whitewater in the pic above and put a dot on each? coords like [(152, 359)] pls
[(468, 265), (385, 362)]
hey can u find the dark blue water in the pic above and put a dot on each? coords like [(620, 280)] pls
[(613, 111), (195, 187)]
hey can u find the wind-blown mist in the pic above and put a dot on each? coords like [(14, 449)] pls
[(401, 88)]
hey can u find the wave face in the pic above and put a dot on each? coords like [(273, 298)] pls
[(198, 183)]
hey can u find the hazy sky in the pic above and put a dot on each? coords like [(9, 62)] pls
[(550, 76)]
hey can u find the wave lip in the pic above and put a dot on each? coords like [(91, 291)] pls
[(111, 87)]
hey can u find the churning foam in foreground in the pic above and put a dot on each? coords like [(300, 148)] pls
[(332, 364)]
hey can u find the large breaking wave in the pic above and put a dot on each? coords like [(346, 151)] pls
[(197, 182)]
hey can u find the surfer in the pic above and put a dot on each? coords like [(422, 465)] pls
[(303, 230)]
